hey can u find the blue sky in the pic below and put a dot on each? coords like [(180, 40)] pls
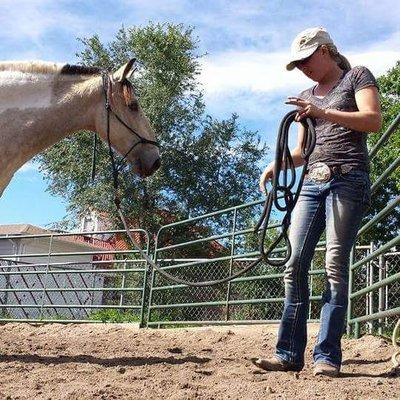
[(246, 43)]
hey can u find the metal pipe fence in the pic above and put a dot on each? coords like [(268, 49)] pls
[(258, 295), (96, 276), (375, 297), (374, 279), (72, 277)]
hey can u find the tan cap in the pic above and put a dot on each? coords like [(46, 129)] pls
[(305, 43)]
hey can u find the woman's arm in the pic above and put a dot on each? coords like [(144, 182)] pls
[(368, 118)]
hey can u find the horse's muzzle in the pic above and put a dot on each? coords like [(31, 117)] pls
[(147, 163)]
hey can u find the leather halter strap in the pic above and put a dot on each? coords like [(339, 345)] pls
[(107, 85)]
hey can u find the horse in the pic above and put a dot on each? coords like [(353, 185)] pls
[(43, 102)]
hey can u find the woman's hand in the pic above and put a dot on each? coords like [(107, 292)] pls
[(306, 109), (265, 177)]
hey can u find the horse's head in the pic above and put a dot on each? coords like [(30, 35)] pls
[(129, 130)]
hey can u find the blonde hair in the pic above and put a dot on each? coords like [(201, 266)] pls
[(340, 60)]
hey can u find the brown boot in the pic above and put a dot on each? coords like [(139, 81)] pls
[(275, 364), (326, 370)]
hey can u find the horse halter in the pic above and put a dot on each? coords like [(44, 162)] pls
[(107, 84), (142, 140)]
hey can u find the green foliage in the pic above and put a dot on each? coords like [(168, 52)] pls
[(388, 228), (207, 164), (114, 315), (4, 314)]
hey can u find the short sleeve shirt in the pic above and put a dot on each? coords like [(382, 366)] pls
[(336, 144)]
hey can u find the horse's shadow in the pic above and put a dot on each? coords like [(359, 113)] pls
[(105, 362)]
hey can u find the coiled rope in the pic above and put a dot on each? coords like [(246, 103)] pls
[(283, 164)]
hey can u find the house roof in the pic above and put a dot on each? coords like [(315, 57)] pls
[(22, 229), (79, 240)]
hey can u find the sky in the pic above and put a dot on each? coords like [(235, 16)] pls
[(245, 45)]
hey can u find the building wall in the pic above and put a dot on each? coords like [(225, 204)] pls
[(39, 281)]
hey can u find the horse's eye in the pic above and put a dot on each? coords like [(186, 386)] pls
[(134, 106)]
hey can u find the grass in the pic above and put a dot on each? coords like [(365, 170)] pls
[(114, 315)]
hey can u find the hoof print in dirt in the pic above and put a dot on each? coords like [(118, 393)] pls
[(206, 372), (175, 350), (121, 370), (207, 350)]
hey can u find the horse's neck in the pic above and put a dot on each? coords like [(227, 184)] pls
[(38, 111)]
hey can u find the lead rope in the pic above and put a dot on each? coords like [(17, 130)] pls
[(282, 155), (396, 354)]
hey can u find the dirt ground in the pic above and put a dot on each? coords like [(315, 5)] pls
[(119, 361)]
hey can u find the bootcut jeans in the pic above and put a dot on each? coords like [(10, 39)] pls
[(337, 205)]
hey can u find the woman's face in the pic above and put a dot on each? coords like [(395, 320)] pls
[(316, 65)]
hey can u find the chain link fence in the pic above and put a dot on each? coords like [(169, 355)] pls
[(381, 299), (259, 294), (43, 281)]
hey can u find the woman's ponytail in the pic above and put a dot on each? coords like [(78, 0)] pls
[(340, 60)]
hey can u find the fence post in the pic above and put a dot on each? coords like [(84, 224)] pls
[(381, 305), (228, 290), (4, 313), (46, 276), (385, 273), (121, 295), (357, 330), (149, 298), (350, 302), (370, 296), (145, 298)]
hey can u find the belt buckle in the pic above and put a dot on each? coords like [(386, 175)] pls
[(320, 172)]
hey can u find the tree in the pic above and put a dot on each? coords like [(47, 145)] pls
[(388, 228), (207, 164)]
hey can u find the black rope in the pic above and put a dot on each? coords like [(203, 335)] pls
[(282, 158), (94, 156), (283, 164)]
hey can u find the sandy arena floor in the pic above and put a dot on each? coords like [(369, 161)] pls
[(119, 361)]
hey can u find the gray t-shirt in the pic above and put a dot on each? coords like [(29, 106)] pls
[(337, 145)]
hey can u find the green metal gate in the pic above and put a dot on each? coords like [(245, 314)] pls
[(72, 277), (107, 281)]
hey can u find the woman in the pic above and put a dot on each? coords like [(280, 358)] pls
[(345, 106)]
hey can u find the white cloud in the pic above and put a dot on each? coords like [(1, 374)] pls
[(33, 19), (29, 167), (256, 84), (261, 73), (379, 62), (48, 29), (250, 71)]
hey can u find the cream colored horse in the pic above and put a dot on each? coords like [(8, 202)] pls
[(41, 103)]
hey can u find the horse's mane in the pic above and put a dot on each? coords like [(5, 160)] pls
[(43, 67)]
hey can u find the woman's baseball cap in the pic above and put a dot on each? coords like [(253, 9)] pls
[(305, 43)]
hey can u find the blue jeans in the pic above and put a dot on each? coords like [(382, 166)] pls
[(338, 206)]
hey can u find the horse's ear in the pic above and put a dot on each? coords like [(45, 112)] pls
[(124, 72)]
